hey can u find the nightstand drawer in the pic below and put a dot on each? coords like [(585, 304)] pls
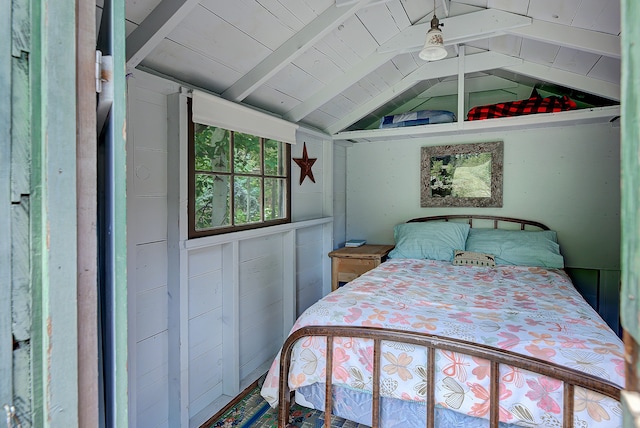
[(350, 269), (349, 263)]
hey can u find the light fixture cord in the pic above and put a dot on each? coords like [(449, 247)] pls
[(435, 22)]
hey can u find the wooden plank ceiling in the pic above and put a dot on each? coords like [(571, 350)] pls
[(339, 65)]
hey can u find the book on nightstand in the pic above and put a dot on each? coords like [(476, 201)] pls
[(355, 243)]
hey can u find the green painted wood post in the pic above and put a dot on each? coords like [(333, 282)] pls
[(53, 204), (630, 294), (6, 376), (15, 158), (21, 317), (118, 114), (112, 156), (35, 233)]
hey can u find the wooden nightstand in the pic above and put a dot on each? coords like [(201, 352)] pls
[(349, 263)]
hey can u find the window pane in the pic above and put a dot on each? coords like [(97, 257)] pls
[(246, 156), (274, 158), (274, 198), (212, 201), (248, 200), (212, 148), (237, 181)]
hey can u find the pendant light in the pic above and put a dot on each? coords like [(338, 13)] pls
[(433, 49)]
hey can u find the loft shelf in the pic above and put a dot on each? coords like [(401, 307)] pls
[(540, 120)]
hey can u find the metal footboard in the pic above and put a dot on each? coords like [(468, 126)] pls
[(571, 378)]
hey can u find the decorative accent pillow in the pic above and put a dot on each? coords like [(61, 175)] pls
[(469, 258), (517, 247), (429, 240)]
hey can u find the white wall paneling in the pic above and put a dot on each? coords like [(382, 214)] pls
[(151, 312), (208, 299), (147, 278), (339, 194), (308, 199), (242, 293), (152, 399), (261, 305), (310, 258), (289, 284), (209, 314), (177, 294), (327, 174)]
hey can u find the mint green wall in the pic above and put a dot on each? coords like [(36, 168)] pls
[(566, 177)]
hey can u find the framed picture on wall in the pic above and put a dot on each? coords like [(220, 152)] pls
[(462, 175)]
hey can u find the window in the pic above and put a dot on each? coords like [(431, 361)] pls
[(237, 181)]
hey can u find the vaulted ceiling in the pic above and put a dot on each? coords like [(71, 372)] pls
[(338, 65)]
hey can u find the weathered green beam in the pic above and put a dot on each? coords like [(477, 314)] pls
[(6, 348), (21, 316), (630, 122), (21, 319), (87, 188), (630, 152), (119, 212), (55, 338)]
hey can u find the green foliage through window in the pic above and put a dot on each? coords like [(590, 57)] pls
[(238, 181)]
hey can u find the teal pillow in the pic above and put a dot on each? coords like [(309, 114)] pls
[(429, 240), (517, 247)]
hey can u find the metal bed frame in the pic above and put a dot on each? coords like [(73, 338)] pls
[(571, 378)]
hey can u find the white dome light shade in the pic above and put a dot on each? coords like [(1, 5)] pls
[(433, 49)]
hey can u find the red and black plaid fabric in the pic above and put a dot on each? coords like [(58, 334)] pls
[(522, 107)]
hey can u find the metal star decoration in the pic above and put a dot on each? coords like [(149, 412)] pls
[(305, 163)]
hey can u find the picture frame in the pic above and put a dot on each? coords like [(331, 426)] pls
[(462, 175)]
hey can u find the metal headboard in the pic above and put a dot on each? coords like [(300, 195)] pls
[(495, 219)]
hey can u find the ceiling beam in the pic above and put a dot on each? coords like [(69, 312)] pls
[(446, 6), (322, 25), (568, 79), (460, 28), (344, 3), (431, 70), (571, 37), (155, 27)]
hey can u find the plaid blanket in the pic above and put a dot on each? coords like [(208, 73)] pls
[(535, 104)]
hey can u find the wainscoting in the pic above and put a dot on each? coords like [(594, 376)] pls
[(244, 291), (601, 288)]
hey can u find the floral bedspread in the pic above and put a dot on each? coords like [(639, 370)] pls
[(531, 311)]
